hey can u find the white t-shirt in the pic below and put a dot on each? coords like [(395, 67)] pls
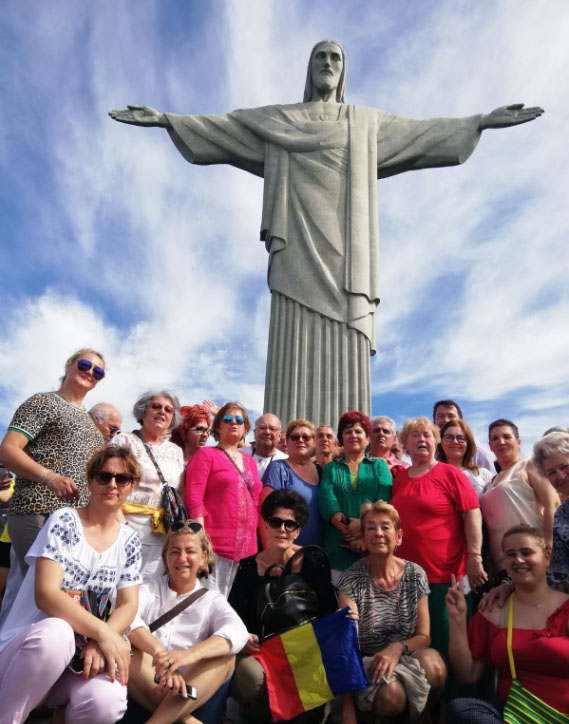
[(61, 540), (480, 480), (263, 463), (210, 615)]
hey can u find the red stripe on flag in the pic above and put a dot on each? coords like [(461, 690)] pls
[(283, 695)]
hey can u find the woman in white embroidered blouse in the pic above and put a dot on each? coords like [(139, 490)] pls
[(77, 550), (197, 646)]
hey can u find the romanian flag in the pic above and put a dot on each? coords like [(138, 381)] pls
[(311, 664)]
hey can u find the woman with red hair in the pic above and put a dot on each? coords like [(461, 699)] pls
[(347, 484), (193, 432)]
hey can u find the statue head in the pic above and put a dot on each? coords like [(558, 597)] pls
[(310, 85)]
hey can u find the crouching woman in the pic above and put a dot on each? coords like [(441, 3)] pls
[(193, 650), (389, 595)]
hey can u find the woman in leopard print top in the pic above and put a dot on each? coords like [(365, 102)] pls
[(48, 443)]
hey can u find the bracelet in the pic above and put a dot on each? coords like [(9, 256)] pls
[(46, 477)]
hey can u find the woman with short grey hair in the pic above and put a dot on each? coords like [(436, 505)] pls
[(157, 412), (551, 455)]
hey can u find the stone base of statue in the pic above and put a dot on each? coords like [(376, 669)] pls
[(317, 368)]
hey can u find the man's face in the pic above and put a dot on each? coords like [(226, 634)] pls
[(444, 414), (327, 65), (382, 436), (325, 439), (267, 431), (110, 426)]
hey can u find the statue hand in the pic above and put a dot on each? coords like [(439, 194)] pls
[(512, 115), (139, 116)]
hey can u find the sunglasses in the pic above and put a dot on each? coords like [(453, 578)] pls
[(447, 437), (239, 419), (83, 365), (113, 429), (121, 479), (200, 430), (191, 525), (296, 437), (289, 525)]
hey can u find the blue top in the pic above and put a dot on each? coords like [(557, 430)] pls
[(280, 476), (558, 572)]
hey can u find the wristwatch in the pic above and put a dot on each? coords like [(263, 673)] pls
[(405, 648)]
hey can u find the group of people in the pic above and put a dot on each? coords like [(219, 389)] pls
[(109, 597)]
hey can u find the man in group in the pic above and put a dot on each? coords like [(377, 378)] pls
[(446, 410), (383, 438), (264, 449), (107, 418), (325, 449)]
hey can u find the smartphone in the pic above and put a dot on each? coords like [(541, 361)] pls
[(191, 691)]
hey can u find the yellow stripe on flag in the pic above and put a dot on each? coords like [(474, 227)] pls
[(303, 653)]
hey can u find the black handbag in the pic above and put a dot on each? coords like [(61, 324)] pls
[(172, 505), (290, 599)]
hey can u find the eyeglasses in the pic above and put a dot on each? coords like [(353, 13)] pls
[(104, 478), (200, 430), (289, 525), (270, 428), (167, 408), (447, 437), (113, 429), (295, 437), (239, 419), (83, 365), (191, 525)]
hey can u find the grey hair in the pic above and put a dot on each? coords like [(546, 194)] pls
[(556, 443), (144, 400), (341, 89), (100, 410), (388, 420)]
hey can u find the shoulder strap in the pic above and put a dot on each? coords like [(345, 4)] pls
[(247, 483), (151, 456), (175, 610), (509, 636)]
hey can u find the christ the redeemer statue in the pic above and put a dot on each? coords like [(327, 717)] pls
[(320, 160)]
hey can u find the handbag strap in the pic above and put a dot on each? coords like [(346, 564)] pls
[(178, 608), (509, 636), (151, 456), (247, 483)]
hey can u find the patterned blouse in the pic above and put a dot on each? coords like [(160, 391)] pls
[(558, 573), (385, 616), (62, 438)]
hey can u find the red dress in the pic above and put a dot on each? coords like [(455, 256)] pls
[(541, 657), (430, 508)]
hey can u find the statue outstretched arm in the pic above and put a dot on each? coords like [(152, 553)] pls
[(140, 116), (512, 115)]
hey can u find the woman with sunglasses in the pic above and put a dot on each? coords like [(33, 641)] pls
[(196, 647), (161, 462), (299, 473), (222, 492), (48, 443), (77, 551), (284, 514), (457, 447)]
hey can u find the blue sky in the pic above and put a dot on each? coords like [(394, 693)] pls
[(110, 239)]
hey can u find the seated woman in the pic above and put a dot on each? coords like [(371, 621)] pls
[(84, 549), (540, 634), (284, 513), (390, 597), (197, 646)]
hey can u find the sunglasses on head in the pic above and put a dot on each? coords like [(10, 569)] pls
[(239, 419), (121, 479), (84, 365), (191, 525), (289, 525)]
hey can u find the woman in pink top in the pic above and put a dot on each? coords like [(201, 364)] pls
[(222, 493)]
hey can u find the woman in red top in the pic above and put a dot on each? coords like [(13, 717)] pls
[(438, 506), (540, 642)]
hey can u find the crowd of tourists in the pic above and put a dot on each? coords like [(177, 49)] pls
[(132, 564)]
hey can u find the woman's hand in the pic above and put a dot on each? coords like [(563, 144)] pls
[(477, 576), (356, 545), (252, 646), (116, 652), (353, 530), (93, 660), (166, 663), (64, 488), (173, 684), (497, 595), (385, 662), (455, 601)]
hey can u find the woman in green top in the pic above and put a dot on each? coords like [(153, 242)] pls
[(346, 485)]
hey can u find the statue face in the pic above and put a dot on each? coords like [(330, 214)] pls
[(327, 65)]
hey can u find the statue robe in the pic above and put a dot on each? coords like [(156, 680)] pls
[(320, 228)]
